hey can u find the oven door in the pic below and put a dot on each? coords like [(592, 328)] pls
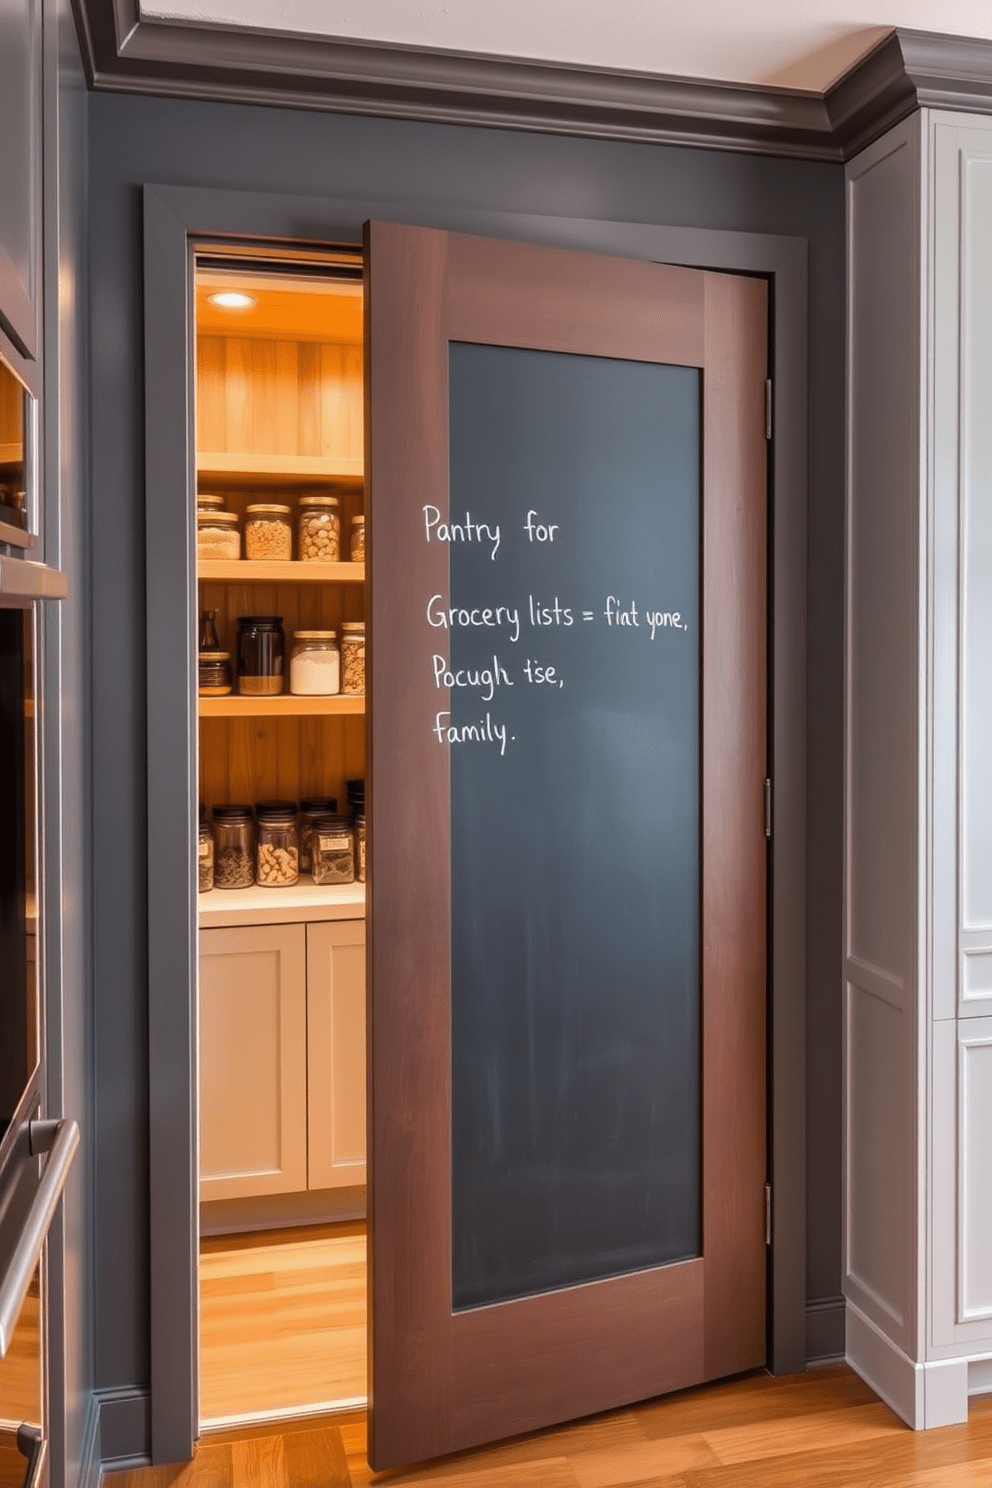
[(35, 1154)]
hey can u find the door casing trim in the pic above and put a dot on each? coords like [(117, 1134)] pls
[(174, 217)]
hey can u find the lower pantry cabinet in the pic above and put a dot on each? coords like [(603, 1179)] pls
[(282, 1058)]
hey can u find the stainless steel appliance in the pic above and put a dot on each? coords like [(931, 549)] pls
[(35, 1152)]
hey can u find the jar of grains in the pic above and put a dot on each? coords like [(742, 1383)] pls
[(318, 527), (333, 851), (261, 648), (268, 532), (205, 852), (310, 808), (214, 673), (234, 847), (209, 503), (315, 663), (353, 657), (278, 852), (356, 547), (217, 535), (360, 848)]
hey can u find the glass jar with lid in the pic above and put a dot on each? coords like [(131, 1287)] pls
[(356, 547), (234, 847), (209, 503), (217, 535), (318, 527), (333, 851), (205, 852), (315, 663), (360, 847), (353, 657), (278, 850), (214, 673), (268, 532), (310, 808), (261, 649)]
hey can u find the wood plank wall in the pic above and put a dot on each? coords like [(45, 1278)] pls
[(267, 397)]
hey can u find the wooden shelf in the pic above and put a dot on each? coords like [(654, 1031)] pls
[(286, 705), (225, 469), (265, 906), (278, 571)]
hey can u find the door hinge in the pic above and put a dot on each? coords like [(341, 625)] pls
[(768, 408), (768, 808), (768, 1214)]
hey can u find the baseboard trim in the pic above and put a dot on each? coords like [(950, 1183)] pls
[(924, 1395), (124, 1429), (825, 1330), (90, 1471)]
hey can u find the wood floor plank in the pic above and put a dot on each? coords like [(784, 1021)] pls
[(755, 1397), (825, 1430), (641, 1463)]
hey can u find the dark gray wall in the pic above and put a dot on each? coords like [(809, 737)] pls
[(434, 168)]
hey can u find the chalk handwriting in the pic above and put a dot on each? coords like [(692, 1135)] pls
[(487, 678), (486, 731), (466, 531)]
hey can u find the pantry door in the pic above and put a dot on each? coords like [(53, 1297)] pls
[(566, 517)]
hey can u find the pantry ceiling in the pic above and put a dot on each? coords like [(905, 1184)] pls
[(778, 43)]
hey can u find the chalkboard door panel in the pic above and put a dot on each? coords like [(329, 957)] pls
[(567, 601)]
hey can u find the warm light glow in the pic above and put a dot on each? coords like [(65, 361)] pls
[(231, 299)]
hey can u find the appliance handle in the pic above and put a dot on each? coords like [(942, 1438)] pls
[(60, 1139), (32, 1445)]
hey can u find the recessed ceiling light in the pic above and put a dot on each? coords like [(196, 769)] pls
[(232, 299)]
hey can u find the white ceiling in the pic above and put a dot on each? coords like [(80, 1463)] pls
[(793, 43)]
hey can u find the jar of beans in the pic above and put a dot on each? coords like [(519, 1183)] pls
[(353, 657), (234, 847), (278, 851), (356, 547), (268, 532), (319, 529), (333, 851)]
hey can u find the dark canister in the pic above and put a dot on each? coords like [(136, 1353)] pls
[(234, 847), (261, 652)]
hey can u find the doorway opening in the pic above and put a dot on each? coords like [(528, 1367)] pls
[(281, 769)]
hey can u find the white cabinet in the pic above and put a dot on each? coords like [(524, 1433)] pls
[(282, 1058), (918, 922), (336, 1052), (253, 1061)]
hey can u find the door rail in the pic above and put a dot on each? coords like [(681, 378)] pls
[(60, 1140)]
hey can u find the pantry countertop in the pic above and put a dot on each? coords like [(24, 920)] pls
[(263, 906)]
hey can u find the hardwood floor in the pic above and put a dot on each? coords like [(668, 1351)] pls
[(282, 1321), (822, 1429)]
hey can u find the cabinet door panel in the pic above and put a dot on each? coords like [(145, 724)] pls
[(20, 146), (253, 1087), (336, 1052)]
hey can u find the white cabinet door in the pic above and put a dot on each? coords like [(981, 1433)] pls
[(253, 1061), (336, 1052)]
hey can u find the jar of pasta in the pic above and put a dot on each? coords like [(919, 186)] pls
[(268, 532), (278, 851), (353, 657), (318, 527)]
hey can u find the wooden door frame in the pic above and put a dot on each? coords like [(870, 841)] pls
[(175, 217)]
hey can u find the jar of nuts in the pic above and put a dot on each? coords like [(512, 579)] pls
[(234, 847), (353, 657), (268, 532), (356, 548), (278, 853), (319, 529), (333, 851), (360, 848)]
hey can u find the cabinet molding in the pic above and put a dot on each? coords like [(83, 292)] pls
[(336, 1053)]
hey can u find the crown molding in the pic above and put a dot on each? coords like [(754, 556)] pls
[(123, 52)]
